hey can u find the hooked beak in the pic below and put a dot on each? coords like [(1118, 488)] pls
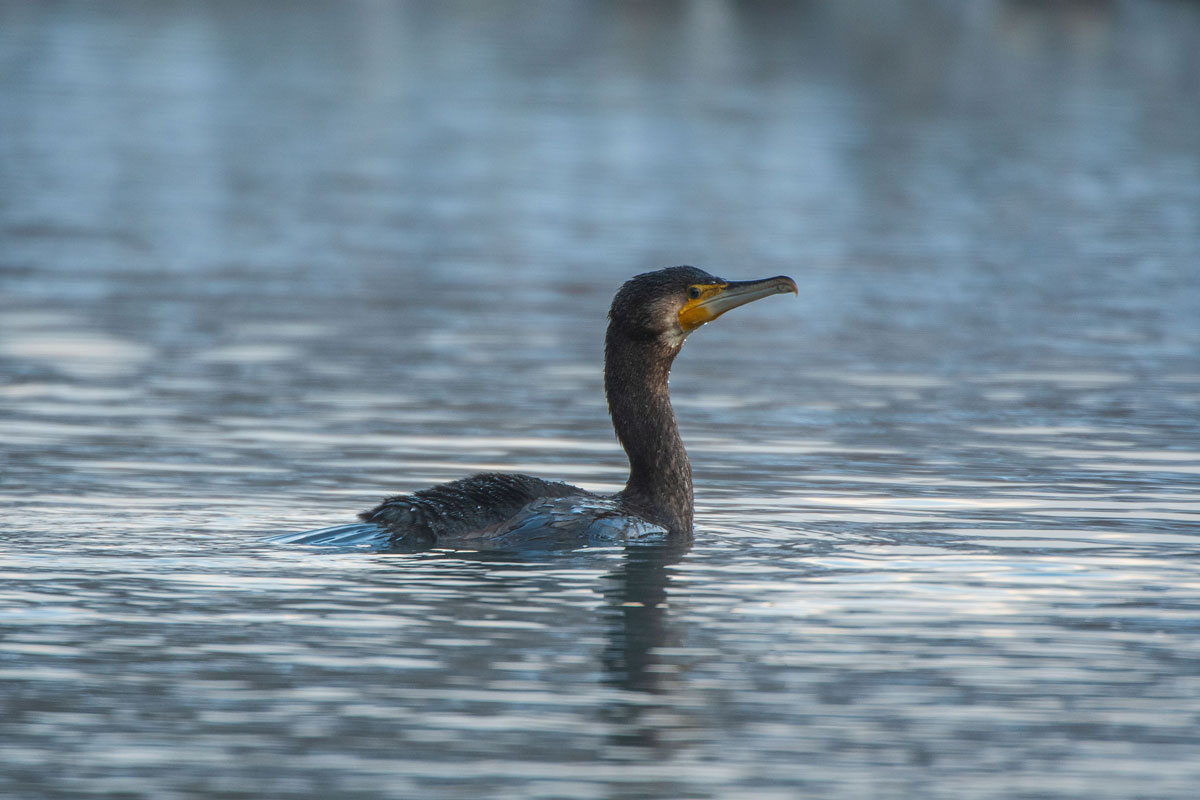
[(717, 298)]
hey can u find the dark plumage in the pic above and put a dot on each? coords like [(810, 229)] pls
[(466, 507), (650, 317)]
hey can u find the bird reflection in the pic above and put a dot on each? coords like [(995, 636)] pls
[(635, 612), (638, 625), (636, 712)]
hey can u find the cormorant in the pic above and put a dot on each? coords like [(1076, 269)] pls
[(650, 317)]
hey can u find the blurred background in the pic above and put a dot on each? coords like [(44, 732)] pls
[(264, 263)]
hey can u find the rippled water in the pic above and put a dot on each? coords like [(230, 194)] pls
[(261, 265)]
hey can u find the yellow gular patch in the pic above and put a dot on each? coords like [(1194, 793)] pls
[(696, 311)]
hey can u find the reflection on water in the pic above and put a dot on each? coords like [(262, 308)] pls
[(261, 266)]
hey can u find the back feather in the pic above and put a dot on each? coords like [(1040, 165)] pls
[(464, 507)]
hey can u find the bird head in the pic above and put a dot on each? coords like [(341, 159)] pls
[(668, 304)]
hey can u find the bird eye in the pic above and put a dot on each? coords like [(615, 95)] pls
[(694, 292)]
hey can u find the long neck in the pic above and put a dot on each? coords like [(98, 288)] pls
[(660, 477)]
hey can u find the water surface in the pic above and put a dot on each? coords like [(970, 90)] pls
[(261, 265)]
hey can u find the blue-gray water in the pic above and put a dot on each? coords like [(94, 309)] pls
[(263, 264)]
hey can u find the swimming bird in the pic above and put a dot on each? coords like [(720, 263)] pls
[(650, 317)]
